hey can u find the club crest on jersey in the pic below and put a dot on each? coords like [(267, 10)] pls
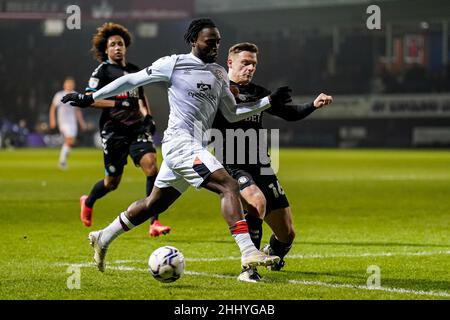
[(242, 97), (243, 180), (93, 82)]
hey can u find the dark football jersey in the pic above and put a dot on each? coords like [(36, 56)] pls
[(255, 148), (119, 117), (251, 126)]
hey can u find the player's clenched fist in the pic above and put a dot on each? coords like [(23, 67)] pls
[(78, 99), (322, 100)]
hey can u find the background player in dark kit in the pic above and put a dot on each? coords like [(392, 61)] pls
[(126, 124)]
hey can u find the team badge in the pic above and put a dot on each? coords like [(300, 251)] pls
[(93, 83), (243, 180)]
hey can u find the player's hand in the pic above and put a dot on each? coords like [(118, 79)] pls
[(281, 96), (322, 100), (78, 99), (147, 127), (150, 124)]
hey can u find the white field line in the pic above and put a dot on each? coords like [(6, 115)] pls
[(360, 287), (291, 281), (307, 256)]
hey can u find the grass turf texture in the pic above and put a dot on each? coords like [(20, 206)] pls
[(352, 210)]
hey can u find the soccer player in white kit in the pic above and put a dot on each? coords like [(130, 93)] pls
[(66, 117), (197, 87)]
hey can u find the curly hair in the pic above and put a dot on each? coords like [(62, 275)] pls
[(100, 39)]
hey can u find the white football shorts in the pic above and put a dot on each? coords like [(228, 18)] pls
[(186, 162), (68, 130)]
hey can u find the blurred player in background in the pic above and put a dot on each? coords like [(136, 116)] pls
[(197, 87), (126, 123), (65, 117), (262, 194)]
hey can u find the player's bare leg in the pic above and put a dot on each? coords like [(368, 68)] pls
[(280, 221), (150, 169), (254, 202), (223, 184)]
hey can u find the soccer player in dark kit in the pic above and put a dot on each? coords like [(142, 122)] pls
[(126, 124), (261, 191)]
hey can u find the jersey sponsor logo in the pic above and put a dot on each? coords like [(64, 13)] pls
[(134, 93), (93, 82), (204, 92), (254, 118)]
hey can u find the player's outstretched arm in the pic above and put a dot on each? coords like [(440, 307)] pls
[(300, 111), (159, 71), (235, 112)]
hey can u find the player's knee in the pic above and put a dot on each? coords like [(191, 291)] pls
[(153, 170), (231, 186), (260, 205)]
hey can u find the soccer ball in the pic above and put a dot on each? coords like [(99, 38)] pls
[(166, 264)]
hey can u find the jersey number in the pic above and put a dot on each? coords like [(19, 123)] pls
[(277, 190)]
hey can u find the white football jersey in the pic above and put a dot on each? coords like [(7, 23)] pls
[(65, 113), (195, 91)]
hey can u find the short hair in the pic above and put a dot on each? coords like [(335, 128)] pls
[(195, 27), (100, 39), (243, 46)]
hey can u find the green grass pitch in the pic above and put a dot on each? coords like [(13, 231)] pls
[(353, 209)]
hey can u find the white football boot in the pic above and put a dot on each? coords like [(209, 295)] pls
[(258, 258), (99, 251), (249, 275)]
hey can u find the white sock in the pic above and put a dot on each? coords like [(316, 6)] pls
[(65, 150), (115, 229), (245, 243)]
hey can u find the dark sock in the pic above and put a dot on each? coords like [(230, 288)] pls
[(279, 248), (98, 191), (255, 229), (148, 190)]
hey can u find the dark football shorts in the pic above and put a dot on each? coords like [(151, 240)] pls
[(118, 145), (269, 184)]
